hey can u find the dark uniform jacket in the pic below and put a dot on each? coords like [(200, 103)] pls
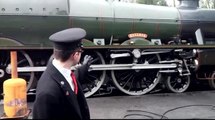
[(56, 100)]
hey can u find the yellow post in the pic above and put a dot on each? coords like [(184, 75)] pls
[(13, 60), (14, 89)]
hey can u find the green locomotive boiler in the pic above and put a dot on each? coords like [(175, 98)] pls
[(126, 41)]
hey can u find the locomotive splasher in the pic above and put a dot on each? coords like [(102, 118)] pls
[(120, 37)]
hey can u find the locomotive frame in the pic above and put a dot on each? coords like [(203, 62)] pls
[(141, 51)]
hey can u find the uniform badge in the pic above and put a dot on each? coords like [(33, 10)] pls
[(67, 93), (62, 82)]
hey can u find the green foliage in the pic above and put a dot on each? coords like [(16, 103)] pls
[(209, 4), (153, 2)]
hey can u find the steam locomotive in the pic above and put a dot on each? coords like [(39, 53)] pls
[(135, 46)]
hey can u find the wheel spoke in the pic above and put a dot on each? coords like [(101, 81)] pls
[(173, 81), (123, 74), (96, 60), (89, 87), (174, 84), (93, 77), (145, 82), (21, 62), (127, 76), (131, 84), (7, 61), (131, 77)]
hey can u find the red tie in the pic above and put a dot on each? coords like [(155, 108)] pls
[(75, 83)]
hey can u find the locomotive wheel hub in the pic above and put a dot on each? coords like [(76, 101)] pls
[(179, 80), (2, 73)]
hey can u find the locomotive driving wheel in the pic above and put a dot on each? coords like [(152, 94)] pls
[(212, 82), (94, 79), (136, 82), (178, 84), (23, 60)]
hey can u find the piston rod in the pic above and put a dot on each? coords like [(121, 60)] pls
[(104, 67)]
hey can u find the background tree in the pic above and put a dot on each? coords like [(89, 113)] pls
[(153, 2), (209, 4)]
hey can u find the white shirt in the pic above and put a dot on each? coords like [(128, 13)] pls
[(65, 72)]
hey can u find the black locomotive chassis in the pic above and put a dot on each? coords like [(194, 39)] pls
[(115, 47), (205, 58)]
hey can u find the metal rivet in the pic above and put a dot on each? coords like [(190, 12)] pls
[(17, 9), (31, 9)]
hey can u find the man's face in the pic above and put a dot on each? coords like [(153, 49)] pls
[(77, 56)]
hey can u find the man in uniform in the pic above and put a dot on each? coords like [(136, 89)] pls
[(59, 94)]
